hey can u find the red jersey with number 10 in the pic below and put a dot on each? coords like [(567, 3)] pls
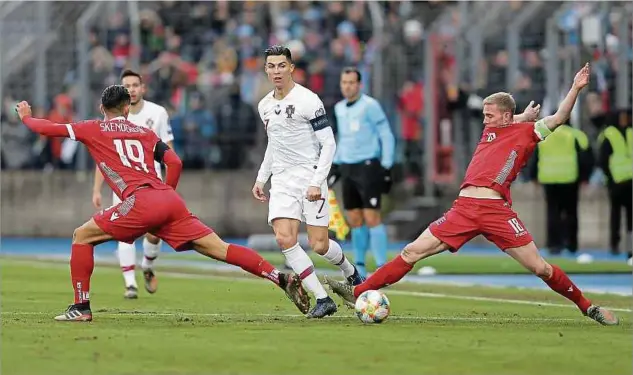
[(500, 155), (123, 152)]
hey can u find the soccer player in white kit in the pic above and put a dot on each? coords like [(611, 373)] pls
[(153, 116), (299, 155)]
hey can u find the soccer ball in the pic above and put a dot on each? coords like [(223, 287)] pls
[(372, 306)]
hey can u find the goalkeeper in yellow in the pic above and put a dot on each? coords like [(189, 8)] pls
[(364, 157)]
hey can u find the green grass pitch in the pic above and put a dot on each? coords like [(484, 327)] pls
[(219, 323)]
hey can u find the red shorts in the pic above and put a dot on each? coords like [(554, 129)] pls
[(162, 213), (470, 217)]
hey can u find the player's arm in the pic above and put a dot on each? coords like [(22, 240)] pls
[(387, 140), (545, 126), (325, 136), (164, 129), (337, 137), (604, 153), (265, 169), (96, 188), (529, 114), (42, 126), (164, 154)]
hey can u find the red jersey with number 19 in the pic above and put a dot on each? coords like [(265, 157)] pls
[(123, 152), (500, 155)]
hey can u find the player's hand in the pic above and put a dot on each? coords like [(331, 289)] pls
[(313, 194), (582, 77), (23, 109), (387, 180), (258, 192), (531, 111), (96, 199), (334, 175)]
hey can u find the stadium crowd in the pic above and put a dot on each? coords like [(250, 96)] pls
[(202, 61)]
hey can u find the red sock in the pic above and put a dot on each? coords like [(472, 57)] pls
[(561, 284), (251, 262), (386, 275), (82, 263)]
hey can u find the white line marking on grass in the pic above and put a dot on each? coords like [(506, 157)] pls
[(491, 299), (184, 275), (146, 314)]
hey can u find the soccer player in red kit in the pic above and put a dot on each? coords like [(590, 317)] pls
[(484, 204), (125, 154)]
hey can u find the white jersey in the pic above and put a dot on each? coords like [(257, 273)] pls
[(154, 117), (298, 135)]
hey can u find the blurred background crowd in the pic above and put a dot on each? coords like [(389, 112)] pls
[(428, 63), (202, 61)]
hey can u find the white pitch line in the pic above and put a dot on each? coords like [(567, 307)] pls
[(141, 314), (491, 299), (389, 291)]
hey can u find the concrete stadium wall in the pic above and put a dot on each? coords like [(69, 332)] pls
[(35, 204)]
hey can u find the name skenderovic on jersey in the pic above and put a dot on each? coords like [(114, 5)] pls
[(291, 124), (123, 151)]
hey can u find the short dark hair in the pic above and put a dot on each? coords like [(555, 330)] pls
[(351, 69), (131, 73), (278, 50), (115, 97)]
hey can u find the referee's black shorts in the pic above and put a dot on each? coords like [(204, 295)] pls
[(362, 184)]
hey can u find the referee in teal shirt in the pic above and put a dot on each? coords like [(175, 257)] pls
[(364, 157)]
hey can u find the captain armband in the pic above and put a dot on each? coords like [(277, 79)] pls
[(541, 130), (320, 120)]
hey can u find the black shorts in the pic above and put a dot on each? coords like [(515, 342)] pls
[(362, 184)]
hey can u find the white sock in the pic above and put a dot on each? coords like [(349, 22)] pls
[(335, 256), (301, 263), (127, 259), (150, 253)]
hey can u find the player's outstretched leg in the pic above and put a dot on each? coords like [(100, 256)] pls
[(151, 248), (214, 247), (424, 246), (81, 267), (127, 260), (559, 282)]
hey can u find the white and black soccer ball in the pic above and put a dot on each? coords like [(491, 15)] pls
[(372, 306)]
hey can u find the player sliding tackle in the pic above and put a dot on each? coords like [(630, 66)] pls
[(125, 154), (484, 203)]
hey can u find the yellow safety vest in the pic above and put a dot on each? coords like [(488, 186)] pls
[(557, 156), (620, 161)]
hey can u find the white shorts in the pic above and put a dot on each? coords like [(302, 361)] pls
[(288, 198)]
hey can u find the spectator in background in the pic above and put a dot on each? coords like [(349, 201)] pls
[(410, 107), (237, 128), (61, 113), (193, 133), (16, 139)]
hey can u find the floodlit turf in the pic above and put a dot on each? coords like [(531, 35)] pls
[(460, 263), (241, 325)]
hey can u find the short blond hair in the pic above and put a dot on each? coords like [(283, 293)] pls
[(504, 101)]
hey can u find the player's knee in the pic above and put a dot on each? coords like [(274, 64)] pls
[(152, 239), (541, 269), (285, 240), (412, 252), (354, 219), (79, 236), (372, 219)]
